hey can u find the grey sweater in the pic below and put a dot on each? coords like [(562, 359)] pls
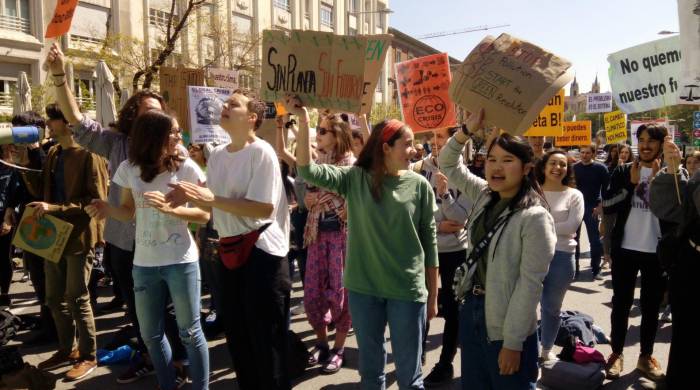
[(519, 256)]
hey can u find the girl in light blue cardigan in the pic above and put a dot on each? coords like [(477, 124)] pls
[(500, 293)]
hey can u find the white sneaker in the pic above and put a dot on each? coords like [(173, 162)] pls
[(297, 310)]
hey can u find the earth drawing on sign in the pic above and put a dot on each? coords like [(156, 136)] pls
[(40, 233)]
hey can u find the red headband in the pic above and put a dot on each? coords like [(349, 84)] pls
[(390, 129)]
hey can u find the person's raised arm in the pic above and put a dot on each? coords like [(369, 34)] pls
[(295, 106), (64, 97)]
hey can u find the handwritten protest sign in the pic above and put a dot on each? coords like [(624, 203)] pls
[(575, 134), (62, 18), (598, 102), (324, 69), (549, 122), (224, 78), (375, 54), (173, 87), (689, 28), (511, 79), (615, 127), (645, 77), (206, 104), (45, 237), (423, 92)]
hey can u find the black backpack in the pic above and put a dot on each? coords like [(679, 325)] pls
[(9, 326)]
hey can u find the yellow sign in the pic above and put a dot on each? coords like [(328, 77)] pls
[(615, 127), (549, 122), (575, 134), (46, 237)]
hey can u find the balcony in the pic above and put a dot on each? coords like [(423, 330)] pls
[(6, 100), (14, 23), (85, 102)]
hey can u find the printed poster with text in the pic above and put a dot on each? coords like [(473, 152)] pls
[(598, 102), (645, 77), (206, 104), (45, 237), (689, 28), (511, 79), (615, 127), (575, 134), (548, 123), (424, 92), (324, 69)]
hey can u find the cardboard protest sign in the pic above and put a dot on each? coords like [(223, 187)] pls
[(173, 87), (62, 18), (206, 104), (375, 55), (549, 122), (423, 92), (615, 127), (599, 102), (575, 134), (324, 69), (224, 78), (689, 28), (45, 237), (511, 79), (645, 77)]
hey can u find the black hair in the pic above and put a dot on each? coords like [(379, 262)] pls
[(655, 132), (542, 165), (530, 193), (54, 112), (29, 118)]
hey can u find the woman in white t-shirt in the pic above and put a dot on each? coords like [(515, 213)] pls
[(166, 255), (566, 206)]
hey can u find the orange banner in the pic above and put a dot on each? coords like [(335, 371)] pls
[(575, 134), (62, 18), (423, 92)]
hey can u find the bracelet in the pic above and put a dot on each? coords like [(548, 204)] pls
[(58, 75), (60, 85)]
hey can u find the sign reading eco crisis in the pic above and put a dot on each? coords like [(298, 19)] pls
[(615, 127), (549, 122), (645, 77), (325, 70), (598, 102), (575, 134), (423, 92), (511, 79)]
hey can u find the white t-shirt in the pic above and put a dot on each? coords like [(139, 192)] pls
[(642, 231), (566, 208), (252, 173), (161, 239)]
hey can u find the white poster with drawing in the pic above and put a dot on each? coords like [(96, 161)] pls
[(205, 106), (689, 28)]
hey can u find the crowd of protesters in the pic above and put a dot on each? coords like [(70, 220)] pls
[(377, 221)]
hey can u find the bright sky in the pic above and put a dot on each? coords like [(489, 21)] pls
[(583, 31)]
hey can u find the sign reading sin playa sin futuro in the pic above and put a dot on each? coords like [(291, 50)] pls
[(324, 69)]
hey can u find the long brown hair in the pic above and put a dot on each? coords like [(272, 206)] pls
[(127, 115), (148, 144), (371, 159), (343, 135)]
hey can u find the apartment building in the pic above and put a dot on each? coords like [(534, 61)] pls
[(222, 33)]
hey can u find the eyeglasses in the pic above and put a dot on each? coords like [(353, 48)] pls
[(324, 131)]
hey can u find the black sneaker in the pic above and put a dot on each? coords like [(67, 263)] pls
[(136, 371), (440, 375), (5, 300)]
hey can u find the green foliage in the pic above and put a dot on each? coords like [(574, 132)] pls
[(381, 111)]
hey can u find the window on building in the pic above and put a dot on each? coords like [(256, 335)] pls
[(398, 55), (245, 80), (14, 15), (326, 15), (281, 4), (242, 25), (84, 92), (158, 18), (352, 31), (7, 87), (353, 6)]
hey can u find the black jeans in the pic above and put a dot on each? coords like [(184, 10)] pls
[(5, 263), (122, 265), (684, 340), (109, 271), (35, 266), (255, 320), (448, 306), (626, 265)]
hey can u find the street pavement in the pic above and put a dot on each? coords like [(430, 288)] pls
[(586, 295)]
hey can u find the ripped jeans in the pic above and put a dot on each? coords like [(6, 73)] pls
[(151, 285)]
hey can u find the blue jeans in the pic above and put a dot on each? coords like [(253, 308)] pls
[(480, 355), (591, 223), (406, 320), (561, 273), (151, 286)]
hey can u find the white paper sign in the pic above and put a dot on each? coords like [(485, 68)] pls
[(647, 76), (224, 78), (205, 105), (599, 102), (689, 22)]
